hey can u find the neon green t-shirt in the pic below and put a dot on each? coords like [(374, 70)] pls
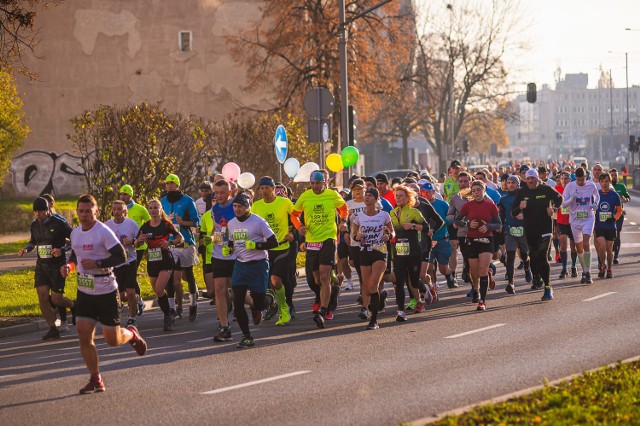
[(450, 188), (319, 214), (206, 228), (276, 213), (139, 215)]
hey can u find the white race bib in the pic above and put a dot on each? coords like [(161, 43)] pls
[(44, 251), (155, 254), (605, 215), (516, 231), (581, 214), (86, 282), (402, 248)]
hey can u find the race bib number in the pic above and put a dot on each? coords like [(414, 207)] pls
[(382, 248), (604, 216), (516, 231), (564, 210), (155, 254), (314, 246), (402, 248), (44, 252), (581, 214), (86, 282), (482, 240), (240, 235)]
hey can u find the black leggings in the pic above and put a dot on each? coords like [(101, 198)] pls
[(290, 280), (511, 257), (239, 294), (407, 270), (538, 247)]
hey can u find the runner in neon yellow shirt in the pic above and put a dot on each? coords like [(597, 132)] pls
[(319, 206), (276, 211)]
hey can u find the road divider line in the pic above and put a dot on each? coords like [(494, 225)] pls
[(600, 296), (632, 223), (256, 382), (475, 331)]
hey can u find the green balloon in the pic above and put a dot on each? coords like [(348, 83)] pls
[(350, 156)]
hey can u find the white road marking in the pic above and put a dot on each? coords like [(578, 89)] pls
[(474, 331), (257, 382), (7, 376), (600, 296), (632, 223)]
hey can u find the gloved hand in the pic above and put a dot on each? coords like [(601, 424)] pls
[(226, 251), (250, 245), (206, 240)]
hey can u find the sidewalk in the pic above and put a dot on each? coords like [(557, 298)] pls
[(12, 238)]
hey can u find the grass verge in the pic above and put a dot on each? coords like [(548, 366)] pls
[(13, 247), (17, 215), (604, 397), (18, 297)]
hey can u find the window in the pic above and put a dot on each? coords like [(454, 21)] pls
[(185, 41)]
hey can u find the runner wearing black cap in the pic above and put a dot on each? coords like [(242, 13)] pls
[(49, 236), (382, 185)]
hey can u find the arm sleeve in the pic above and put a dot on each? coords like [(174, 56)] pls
[(343, 211), (435, 217), (272, 242), (295, 219), (117, 257)]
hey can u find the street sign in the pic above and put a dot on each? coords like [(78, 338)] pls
[(316, 129), (281, 144), (319, 102)]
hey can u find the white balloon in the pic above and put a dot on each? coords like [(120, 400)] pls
[(291, 167), (305, 172), (246, 180)]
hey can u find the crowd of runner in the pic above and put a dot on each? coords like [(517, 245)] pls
[(396, 234)]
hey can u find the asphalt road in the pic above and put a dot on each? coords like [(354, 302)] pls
[(448, 357)]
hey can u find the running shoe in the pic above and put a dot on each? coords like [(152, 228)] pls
[(587, 278), (528, 277), (329, 316), (492, 268), (412, 304), (548, 293), (284, 317), (141, 307), (521, 265), (315, 308), (168, 323), (137, 342), (510, 288), (52, 334), (224, 335), (373, 326), (402, 317), (476, 296), (481, 306), (557, 257), (609, 273), (492, 282), (93, 387), (132, 321), (364, 314), (317, 318), (64, 327), (451, 281), (179, 313), (292, 312), (419, 307), (246, 342), (583, 280), (574, 272), (434, 294), (272, 308), (470, 293), (563, 274), (193, 313), (615, 261), (601, 272), (537, 284), (349, 285)]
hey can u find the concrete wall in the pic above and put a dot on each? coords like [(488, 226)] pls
[(117, 52)]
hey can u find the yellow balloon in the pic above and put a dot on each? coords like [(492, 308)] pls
[(334, 163)]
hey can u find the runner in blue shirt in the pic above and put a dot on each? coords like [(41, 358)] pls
[(608, 212)]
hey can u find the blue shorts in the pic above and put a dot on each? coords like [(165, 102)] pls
[(253, 274), (441, 252)]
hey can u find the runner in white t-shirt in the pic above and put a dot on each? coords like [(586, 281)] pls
[(96, 250), (582, 198)]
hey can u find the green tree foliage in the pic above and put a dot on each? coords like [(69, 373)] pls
[(13, 127), (141, 144)]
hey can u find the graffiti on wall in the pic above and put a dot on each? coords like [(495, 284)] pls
[(39, 172)]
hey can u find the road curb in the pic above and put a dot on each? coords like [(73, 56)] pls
[(506, 397)]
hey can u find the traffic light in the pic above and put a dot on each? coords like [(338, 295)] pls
[(633, 145), (465, 146), (532, 93), (352, 125)]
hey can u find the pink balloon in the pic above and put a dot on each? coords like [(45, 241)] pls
[(231, 171)]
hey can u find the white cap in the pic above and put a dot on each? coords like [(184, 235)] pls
[(532, 173)]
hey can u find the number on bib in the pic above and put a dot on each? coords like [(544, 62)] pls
[(314, 246), (516, 231), (155, 254), (581, 214), (402, 248), (44, 252), (86, 282), (604, 216), (382, 248)]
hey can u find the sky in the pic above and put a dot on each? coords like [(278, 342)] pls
[(577, 36)]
